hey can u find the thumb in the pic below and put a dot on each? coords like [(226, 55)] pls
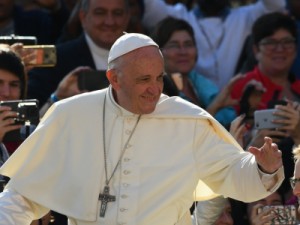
[(255, 151)]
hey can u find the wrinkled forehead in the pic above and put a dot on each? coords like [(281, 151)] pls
[(148, 54)]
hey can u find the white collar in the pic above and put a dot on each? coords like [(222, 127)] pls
[(100, 55)]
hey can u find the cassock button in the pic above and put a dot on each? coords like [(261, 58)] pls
[(126, 159), (128, 132), (124, 196), (126, 172)]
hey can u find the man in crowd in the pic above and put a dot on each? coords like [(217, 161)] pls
[(103, 22)]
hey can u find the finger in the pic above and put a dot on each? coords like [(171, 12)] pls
[(256, 209), (8, 122), (277, 132), (12, 127), (237, 121), (8, 114), (296, 106), (4, 108), (266, 147), (268, 141)]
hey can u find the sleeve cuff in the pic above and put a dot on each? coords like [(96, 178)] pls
[(272, 181)]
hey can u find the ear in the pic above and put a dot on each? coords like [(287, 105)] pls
[(256, 51), (82, 16), (112, 77)]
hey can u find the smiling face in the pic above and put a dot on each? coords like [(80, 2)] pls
[(180, 53), (10, 86), (105, 21), (278, 60), (137, 79)]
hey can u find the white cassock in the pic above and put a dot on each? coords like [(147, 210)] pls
[(61, 165)]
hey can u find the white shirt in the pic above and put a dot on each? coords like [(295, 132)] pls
[(100, 55)]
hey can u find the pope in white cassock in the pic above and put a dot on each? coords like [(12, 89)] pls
[(129, 154)]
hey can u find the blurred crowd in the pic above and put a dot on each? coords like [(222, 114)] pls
[(232, 58)]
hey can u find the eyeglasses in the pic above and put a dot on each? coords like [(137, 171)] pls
[(178, 47), (294, 181), (272, 44)]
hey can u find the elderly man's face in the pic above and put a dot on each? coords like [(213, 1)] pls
[(105, 21), (138, 82)]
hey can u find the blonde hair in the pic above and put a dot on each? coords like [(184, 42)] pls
[(296, 152)]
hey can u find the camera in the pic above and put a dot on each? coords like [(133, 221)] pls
[(27, 110), (28, 115), (45, 55), (285, 214), (263, 119), (12, 39)]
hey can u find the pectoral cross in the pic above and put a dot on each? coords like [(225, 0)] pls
[(105, 197)]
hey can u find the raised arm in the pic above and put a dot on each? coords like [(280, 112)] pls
[(274, 5), (157, 10)]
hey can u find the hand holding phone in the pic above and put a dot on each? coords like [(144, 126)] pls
[(23, 112), (284, 214), (7, 121), (92, 80), (41, 55), (263, 119)]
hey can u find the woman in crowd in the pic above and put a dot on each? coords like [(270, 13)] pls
[(275, 41), (176, 39), (12, 87)]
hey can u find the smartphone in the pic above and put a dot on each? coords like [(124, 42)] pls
[(28, 115), (286, 214), (273, 103), (12, 39), (92, 80), (45, 55), (263, 119)]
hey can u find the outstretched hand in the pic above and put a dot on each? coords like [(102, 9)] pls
[(268, 157)]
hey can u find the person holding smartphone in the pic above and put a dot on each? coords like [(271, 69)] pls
[(258, 215), (12, 87), (275, 48)]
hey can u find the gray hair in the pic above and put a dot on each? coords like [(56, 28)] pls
[(85, 4), (296, 152)]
